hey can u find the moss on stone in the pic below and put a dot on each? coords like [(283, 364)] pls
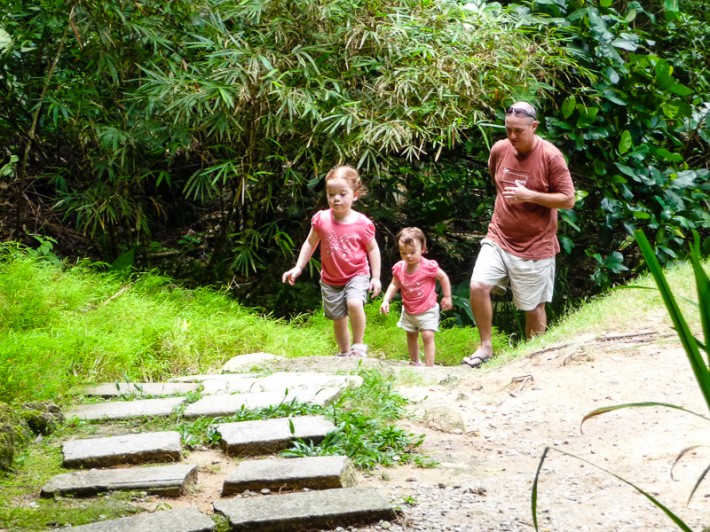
[(15, 433), (42, 417)]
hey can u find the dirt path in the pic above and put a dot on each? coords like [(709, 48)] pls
[(512, 413), (508, 415)]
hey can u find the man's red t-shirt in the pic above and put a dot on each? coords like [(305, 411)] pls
[(527, 230)]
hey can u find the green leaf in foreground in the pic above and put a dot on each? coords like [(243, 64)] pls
[(681, 525)]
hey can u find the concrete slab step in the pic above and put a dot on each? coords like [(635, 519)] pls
[(290, 474), (122, 389), (182, 520), (167, 481), (278, 382), (250, 360), (125, 409), (126, 449), (307, 510), (226, 405), (251, 438)]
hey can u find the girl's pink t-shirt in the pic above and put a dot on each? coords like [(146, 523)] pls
[(343, 247), (419, 288)]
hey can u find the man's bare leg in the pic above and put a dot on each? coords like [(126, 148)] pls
[(482, 308), (535, 321)]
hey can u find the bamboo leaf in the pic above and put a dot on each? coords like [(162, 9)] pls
[(703, 287), (533, 498)]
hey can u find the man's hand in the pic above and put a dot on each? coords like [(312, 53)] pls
[(518, 193)]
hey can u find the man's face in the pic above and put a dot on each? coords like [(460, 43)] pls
[(521, 132)]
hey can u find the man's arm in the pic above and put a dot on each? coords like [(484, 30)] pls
[(552, 200)]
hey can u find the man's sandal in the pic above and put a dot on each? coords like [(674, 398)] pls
[(475, 361)]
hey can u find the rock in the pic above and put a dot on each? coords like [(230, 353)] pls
[(43, 417), (444, 419)]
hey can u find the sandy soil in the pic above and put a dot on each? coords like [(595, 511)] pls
[(488, 429), (513, 413)]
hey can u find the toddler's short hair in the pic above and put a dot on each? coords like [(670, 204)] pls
[(349, 174), (409, 235)]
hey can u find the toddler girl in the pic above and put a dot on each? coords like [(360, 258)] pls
[(348, 243), (416, 277)]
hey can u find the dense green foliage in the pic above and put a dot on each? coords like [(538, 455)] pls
[(639, 136), (193, 136)]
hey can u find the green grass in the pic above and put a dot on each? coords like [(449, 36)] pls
[(60, 327), (65, 326), (626, 309)]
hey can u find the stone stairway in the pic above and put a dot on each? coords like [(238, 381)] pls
[(297, 493)]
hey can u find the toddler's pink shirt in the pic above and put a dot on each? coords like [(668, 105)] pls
[(419, 288), (343, 247)]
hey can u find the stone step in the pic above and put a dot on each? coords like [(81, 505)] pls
[(166, 481), (277, 382), (307, 510), (126, 449), (122, 389), (290, 474), (182, 520), (226, 405), (125, 409), (250, 360), (268, 436)]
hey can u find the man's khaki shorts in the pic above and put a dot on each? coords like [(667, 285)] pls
[(531, 281)]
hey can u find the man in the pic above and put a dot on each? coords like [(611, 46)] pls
[(532, 181)]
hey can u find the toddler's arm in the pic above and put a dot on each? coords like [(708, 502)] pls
[(309, 246), (392, 290), (446, 301)]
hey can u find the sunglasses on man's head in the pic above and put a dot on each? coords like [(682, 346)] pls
[(519, 111)]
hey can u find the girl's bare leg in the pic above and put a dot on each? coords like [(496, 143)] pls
[(429, 347), (342, 334), (413, 347), (358, 320)]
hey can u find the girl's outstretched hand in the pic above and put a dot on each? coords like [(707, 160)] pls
[(375, 287), (446, 303), (291, 275)]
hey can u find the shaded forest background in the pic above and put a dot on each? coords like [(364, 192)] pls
[(191, 137)]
